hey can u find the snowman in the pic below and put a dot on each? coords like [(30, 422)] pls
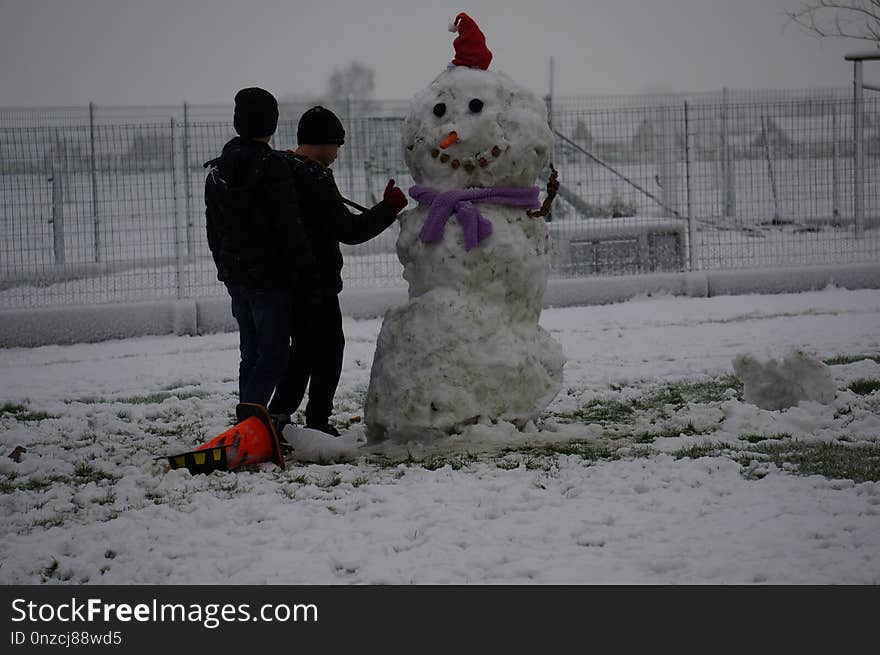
[(466, 347)]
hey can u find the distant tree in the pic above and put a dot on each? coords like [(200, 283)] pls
[(356, 81), (850, 19)]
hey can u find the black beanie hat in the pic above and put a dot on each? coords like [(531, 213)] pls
[(256, 113), (320, 126)]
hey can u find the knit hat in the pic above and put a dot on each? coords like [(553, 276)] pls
[(470, 44), (320, 126), (256, 113)]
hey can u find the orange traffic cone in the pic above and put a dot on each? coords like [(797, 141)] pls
[(250, 441)]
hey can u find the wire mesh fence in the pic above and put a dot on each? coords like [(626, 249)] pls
[(106, 205)]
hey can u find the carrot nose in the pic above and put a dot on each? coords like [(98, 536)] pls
[(448, 141)]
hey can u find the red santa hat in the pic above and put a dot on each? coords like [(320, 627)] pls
[(470, 44)]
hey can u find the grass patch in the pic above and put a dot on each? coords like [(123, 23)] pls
[(35, 484), (159, 397), (601, 411), (9, 485), (51, 522), (107, 499), (676, 394), (865, 386), (850, 359), (455, 462), (672, 432), (680, 394), (22, 413), (189, 430), (50, 570), (86, 400), (333, 481), (287, 492), (831, 460), (155, 398), (758, 438), (507, 464), (837, 461), (583, 449), (85, 473), (536, 457), (698, 451)]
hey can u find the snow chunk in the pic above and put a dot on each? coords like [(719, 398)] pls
[(778, 384), (316, 446)]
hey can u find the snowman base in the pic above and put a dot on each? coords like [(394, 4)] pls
[(433, 377)]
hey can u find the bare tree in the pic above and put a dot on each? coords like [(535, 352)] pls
[(851, 19), (355, 81)]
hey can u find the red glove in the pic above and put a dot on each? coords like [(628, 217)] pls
[(394, 197)]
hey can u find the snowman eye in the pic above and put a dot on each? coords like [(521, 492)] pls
[(476, 106), (439, 109)]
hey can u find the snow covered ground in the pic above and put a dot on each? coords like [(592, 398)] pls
[(648, 468)]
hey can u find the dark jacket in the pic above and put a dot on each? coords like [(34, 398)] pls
[(253, 220), (327, 221)]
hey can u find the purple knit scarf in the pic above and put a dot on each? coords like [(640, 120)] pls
[(461, 203)]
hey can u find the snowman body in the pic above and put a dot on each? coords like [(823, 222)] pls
[(467, 347)]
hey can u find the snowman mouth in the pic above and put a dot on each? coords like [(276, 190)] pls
[(469, 164)]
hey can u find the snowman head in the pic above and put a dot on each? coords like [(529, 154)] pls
[(473, 127)]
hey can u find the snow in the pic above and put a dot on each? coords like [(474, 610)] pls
[(783, 383), (87, 503), (316, 446)]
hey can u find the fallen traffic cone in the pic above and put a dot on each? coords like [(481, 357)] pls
[(250, 441)]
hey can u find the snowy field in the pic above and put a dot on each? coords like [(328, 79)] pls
[(648, 467)]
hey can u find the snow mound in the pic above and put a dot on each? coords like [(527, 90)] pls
[(316, 446), (445, 361), (782, 383)]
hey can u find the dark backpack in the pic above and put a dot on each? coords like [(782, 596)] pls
[(240, 234)]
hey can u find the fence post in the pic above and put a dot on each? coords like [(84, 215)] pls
[(187, 191), (178, 246), (350, 158), (58, 174), (729, 174), (95, 218), (768, 154), (858, 153), (835, 164), (687, 172), (665, 143)]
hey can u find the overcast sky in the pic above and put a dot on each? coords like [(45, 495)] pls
[(70, 52)]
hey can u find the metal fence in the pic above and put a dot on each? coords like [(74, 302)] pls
[(106, 205)]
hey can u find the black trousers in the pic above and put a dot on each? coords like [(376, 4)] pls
[(315, 361), (263, 317)]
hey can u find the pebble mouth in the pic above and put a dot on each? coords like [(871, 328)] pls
[(480, 159)]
